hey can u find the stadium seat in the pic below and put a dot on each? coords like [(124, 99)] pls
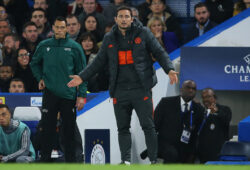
[(28, 115), (235, 151)]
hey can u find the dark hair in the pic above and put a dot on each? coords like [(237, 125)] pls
[(18, 79), (29, 23), (209, 88), (95, 1), (163, 1), (199, 5), (22, 48), (72, 16), (90, 15), (4, 106), (60, 18), (46, 1), (39, 9), (87, 35), (7, 64), (14, 36), (124, 8)]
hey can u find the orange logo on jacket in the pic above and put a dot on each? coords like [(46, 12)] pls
[(137, 40), (110, 45)]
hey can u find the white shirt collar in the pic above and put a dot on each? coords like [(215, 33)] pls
[(183, 104)]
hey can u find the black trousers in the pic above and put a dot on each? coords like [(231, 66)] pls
[(51, 105), (124, 103)]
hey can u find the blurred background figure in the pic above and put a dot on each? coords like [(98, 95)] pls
[(38, 16), (214, 130), (24, 72), (91, 24), (240, 6), (110, 10), (17, 86), (168, 40), (11, 43), (220, 10), (30, 38), (99, 82), (6, 74), (75, 7), (73, 27), (90, 7), (202, 22)]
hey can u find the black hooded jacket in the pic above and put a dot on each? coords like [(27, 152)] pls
[(143, 45)]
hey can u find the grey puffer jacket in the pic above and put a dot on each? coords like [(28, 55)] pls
[(143, 45)]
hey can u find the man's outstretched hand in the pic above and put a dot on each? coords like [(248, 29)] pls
[(173, 77), (76, 81)]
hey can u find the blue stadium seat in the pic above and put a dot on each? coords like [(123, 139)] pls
[(235, 151)]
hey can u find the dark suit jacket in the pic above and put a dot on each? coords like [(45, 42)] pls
[(214, 133), (169, 124), (194, 32)]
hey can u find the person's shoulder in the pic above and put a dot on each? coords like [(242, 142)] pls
[(170, 99), (45, 42), (223, 107)]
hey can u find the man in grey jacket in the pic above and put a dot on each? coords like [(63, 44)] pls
[(127, 50)]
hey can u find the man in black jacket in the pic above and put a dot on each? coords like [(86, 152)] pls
[(202, 24), (214, 130), (177, 121), (127, 50)]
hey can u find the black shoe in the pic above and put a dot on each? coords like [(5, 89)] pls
[(144, 154), (125, 163)]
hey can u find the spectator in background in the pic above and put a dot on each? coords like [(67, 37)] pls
[(19, 10), (110, 10), (91, 24), (4, 29), (6, 74), (144, 10), (30, 37), (38, 16), (214, 130), (73, 27), (17, 86), (15, 145), (202, 24), (5, 16), (24, 72), (220, 10), (11, 43), (158, 9), (135, 12), (168, 40), (108, 28), (240, 6), (53, 8), (177, 121), (89, 8), (75, 7), (98, 82)]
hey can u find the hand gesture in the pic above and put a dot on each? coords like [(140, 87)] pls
[(80, 102), (41, 85), (173, 76), (76, 81)]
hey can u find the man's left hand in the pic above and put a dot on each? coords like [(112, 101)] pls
[(80, 102), (173, 76)]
